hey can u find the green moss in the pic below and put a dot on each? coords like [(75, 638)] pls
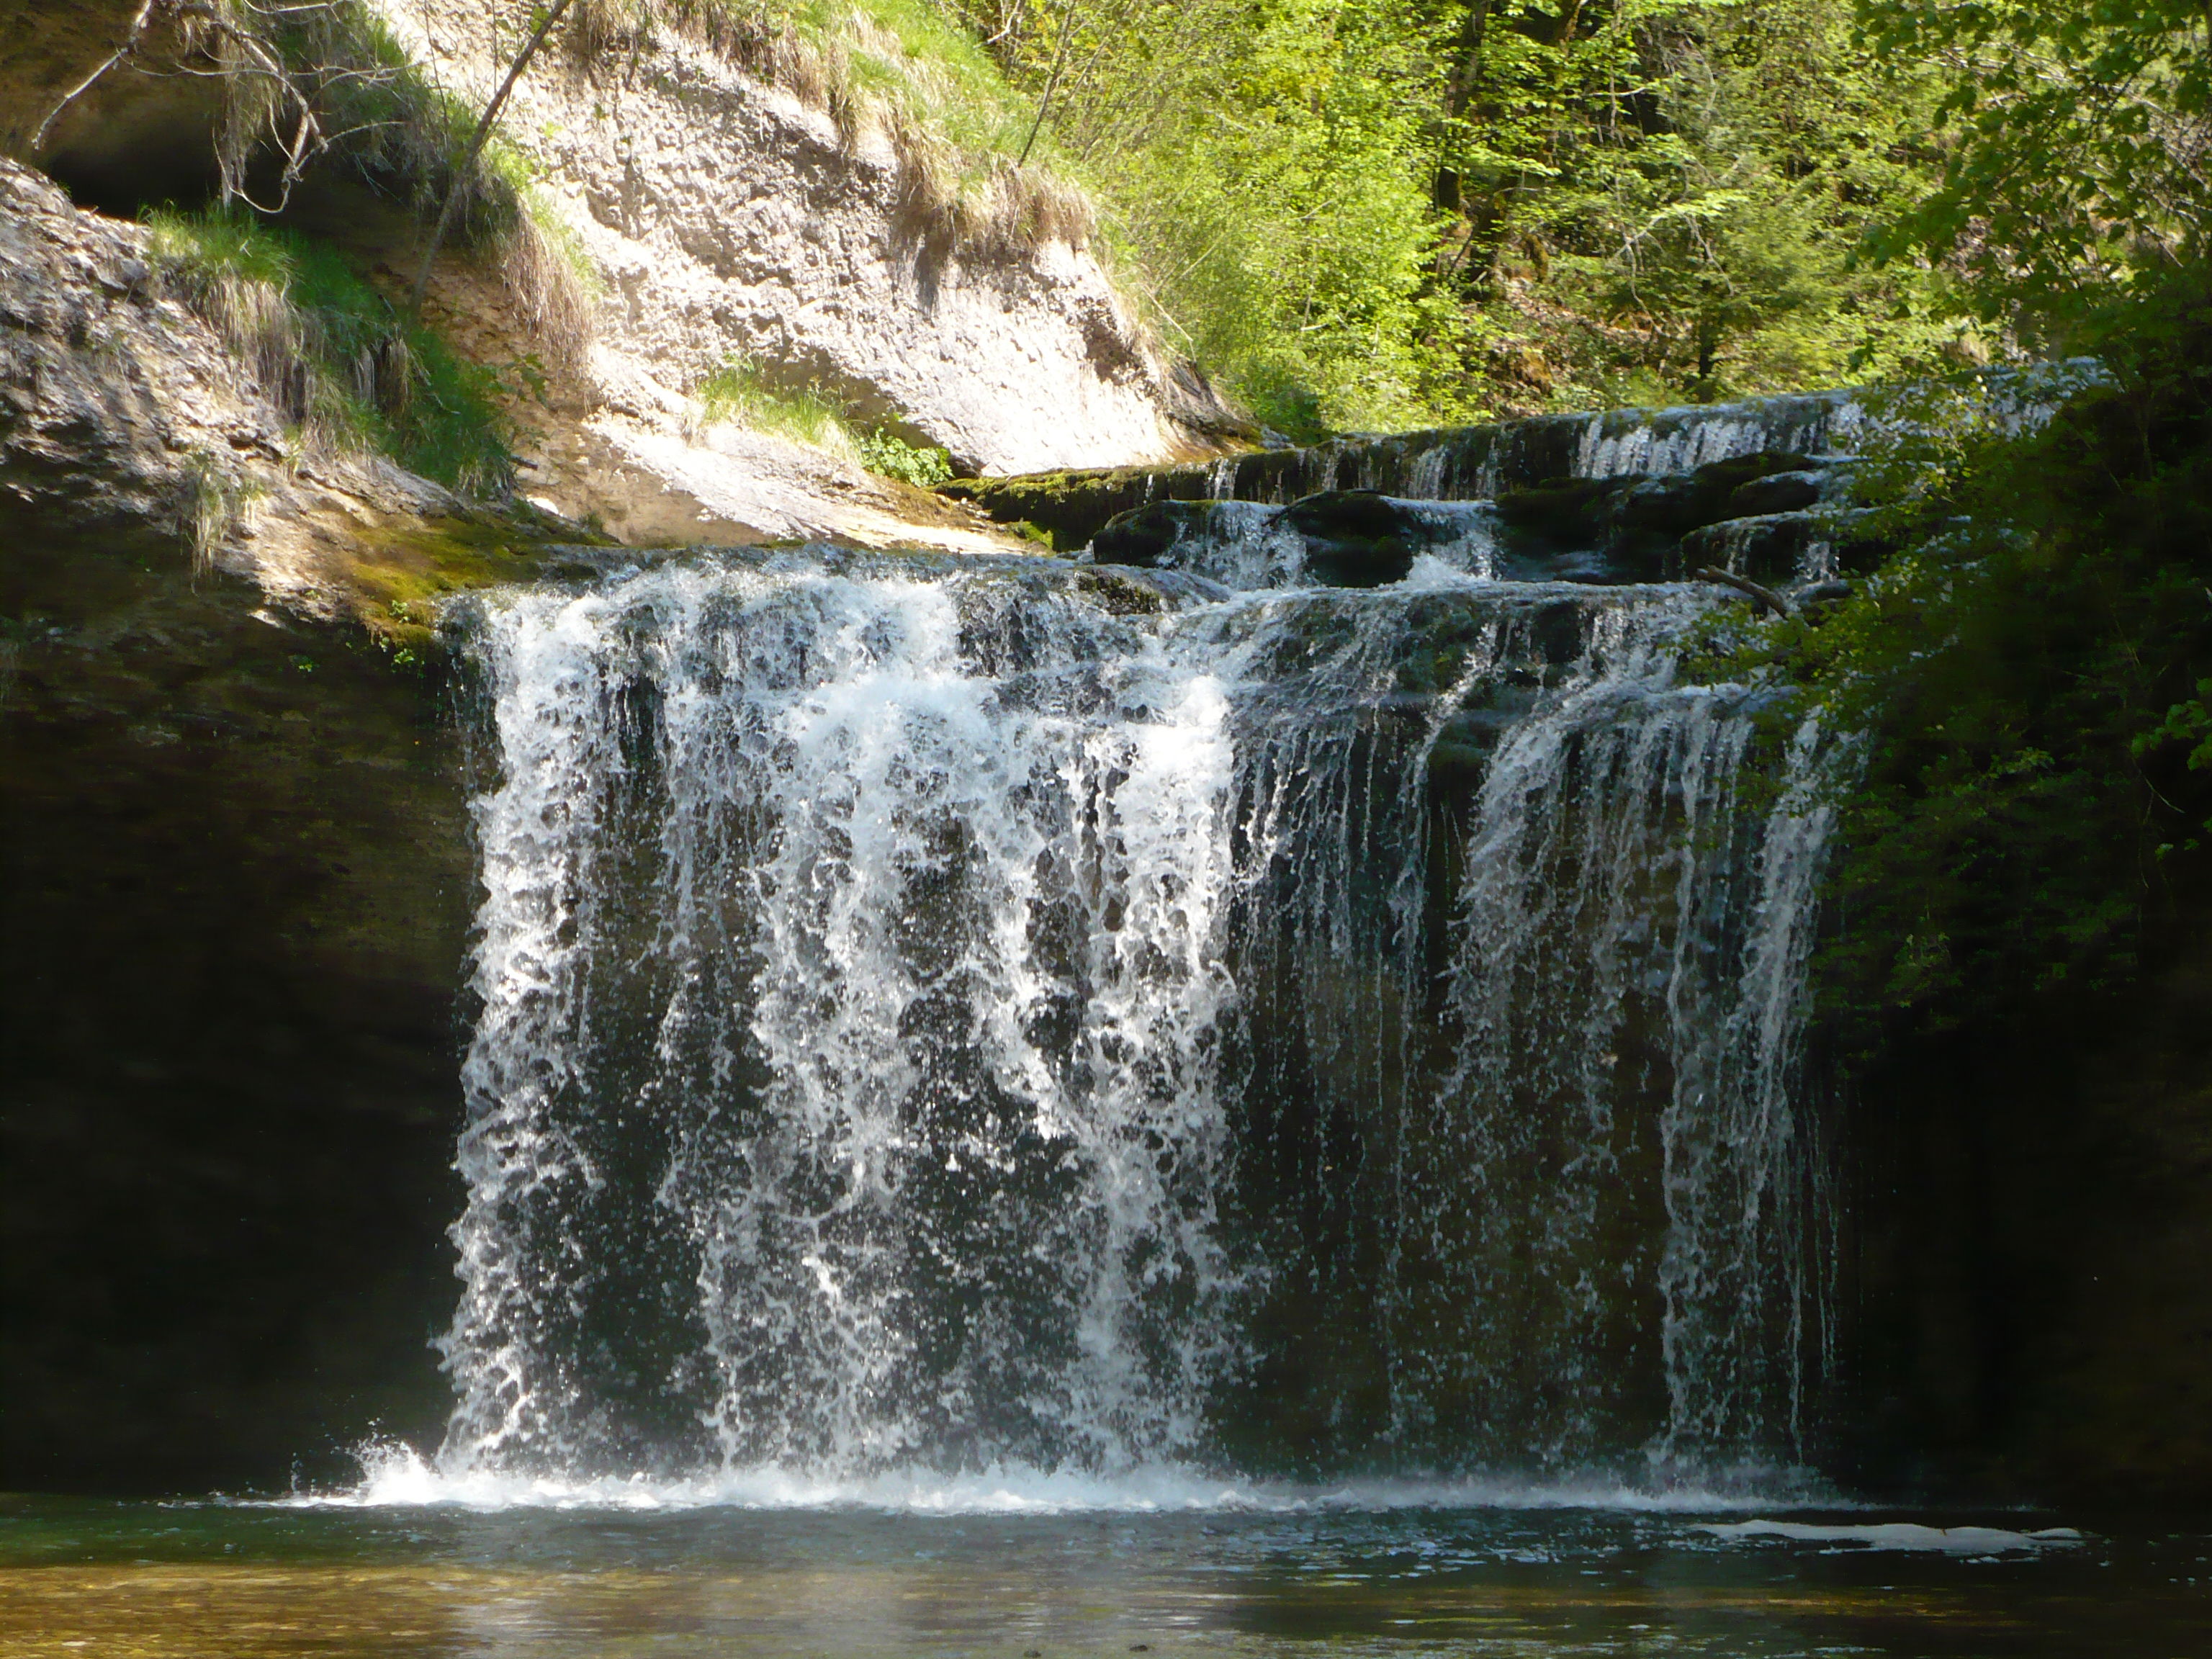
[(402, 571), (1064, 510)]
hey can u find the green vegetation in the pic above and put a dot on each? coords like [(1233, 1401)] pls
[(742, 392), (1356, 213), (334, 356), (739, 391), (2030, 668), (889, 456), (1364, 213), (214, 503), (2078, 139), (2030, 794)]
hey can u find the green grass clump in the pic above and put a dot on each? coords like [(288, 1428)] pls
[(889, 456), (742, 392), (337, 359), (739, 391)]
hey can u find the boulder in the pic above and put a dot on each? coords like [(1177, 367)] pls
[(1777, 492), (1142, 536)]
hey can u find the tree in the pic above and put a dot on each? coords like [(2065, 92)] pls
[(466, 165), (2075, 139)]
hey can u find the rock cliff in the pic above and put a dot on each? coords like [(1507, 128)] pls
[(723, 218), (730, 219)]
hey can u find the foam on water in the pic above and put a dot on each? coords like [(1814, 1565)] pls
[(396, 1476), (1908, 1535)]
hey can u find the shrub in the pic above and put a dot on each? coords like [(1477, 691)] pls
[(890, 456)]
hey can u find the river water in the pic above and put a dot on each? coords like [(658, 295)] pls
[(979, 1573)]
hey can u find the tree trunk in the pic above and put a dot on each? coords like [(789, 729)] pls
[(468, 162), (1459, 96)]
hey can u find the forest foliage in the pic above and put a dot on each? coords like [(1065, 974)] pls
[(2027, 824), (1371, 214), (1379, 214), (1364, 214)]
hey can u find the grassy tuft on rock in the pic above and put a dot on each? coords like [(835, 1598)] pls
[(336, 358)]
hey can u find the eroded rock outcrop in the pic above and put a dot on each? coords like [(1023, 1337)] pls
[(723, 220), (120, 406), (730, 218)]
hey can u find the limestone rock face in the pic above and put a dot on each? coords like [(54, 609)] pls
[(725, 219), (730, 219), (119, 405)]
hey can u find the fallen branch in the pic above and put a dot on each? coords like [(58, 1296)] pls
[(1766, 596)]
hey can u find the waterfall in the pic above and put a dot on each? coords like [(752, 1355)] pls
[(958, 1014)]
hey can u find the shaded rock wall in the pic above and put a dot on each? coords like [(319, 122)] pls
[(44, 50), (235, 882), (2029, 1298)]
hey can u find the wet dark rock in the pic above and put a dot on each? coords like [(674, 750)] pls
[(1768, 549), (1676, 504), (1563, 513), (1122, 593), (1351, 515), (238, 881), (1778, 492), (1142, 535), (1358, 537)]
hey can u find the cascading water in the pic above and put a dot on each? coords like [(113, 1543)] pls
[(946, 1015)]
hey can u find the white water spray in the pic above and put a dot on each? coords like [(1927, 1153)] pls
[(955, 1017)]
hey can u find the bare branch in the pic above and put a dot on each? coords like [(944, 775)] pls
[(1052, 82), (129, 45)]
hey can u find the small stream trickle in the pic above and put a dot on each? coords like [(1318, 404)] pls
[(953, 1015)]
